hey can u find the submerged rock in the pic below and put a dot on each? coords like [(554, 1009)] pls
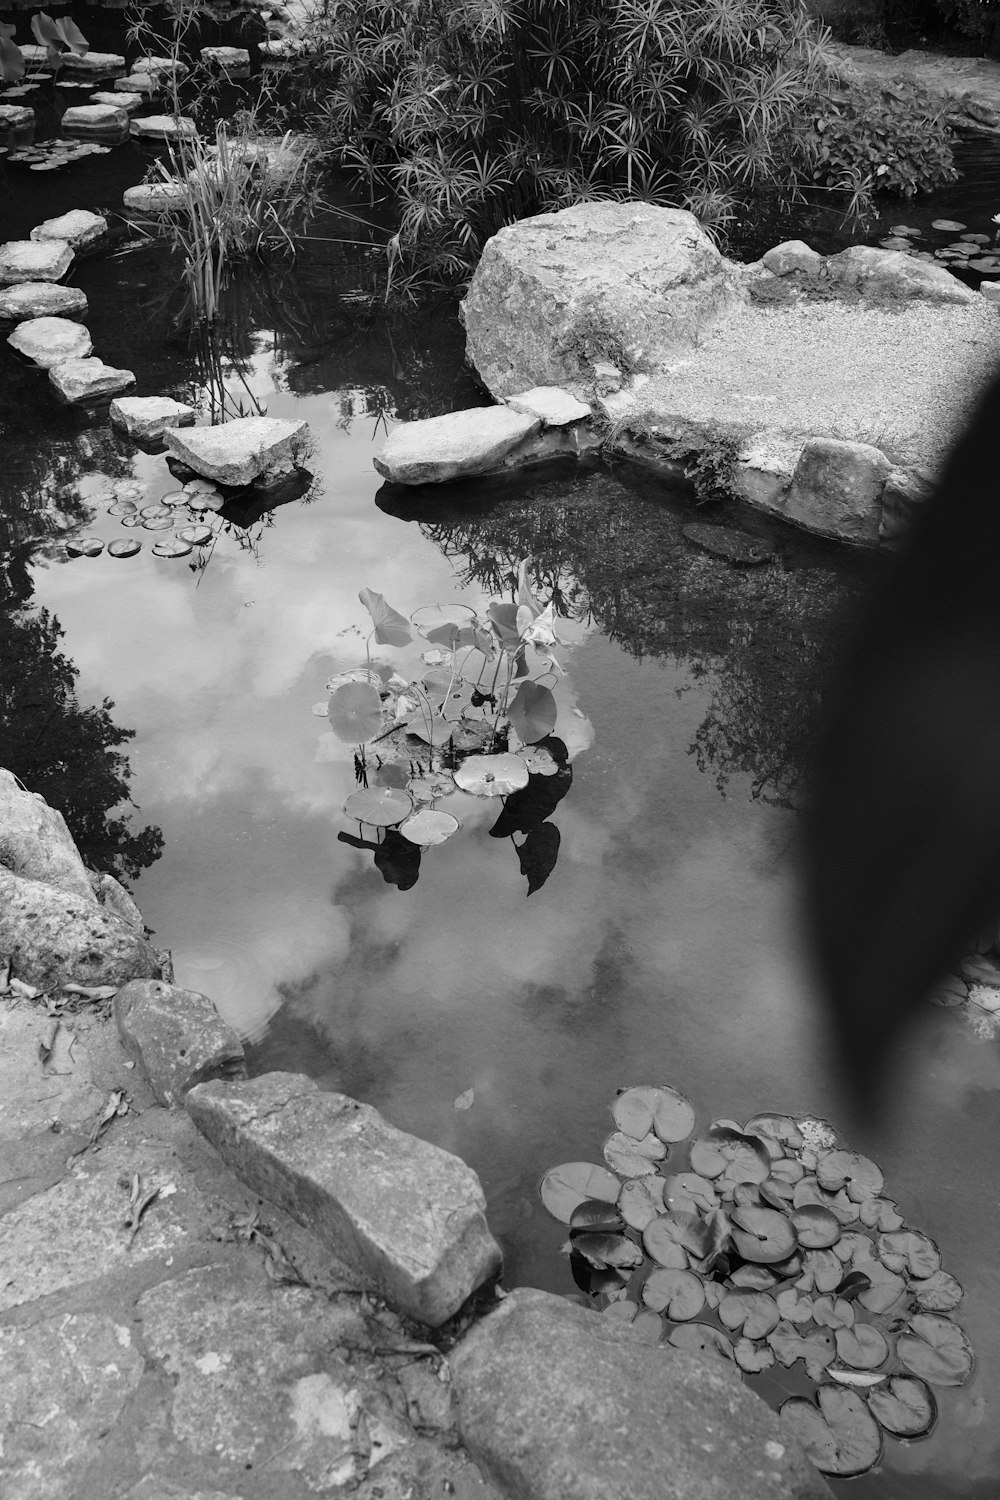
[(50, 341), (733, 546), (35, 842), (147, 417), (557, 1401), (41, 299), (407, 1215), (462, 442), (95, 120), (243, 450), (143, 84), (82, 381), (29, 260), (178, 1036), (79, 229), (55, 937)]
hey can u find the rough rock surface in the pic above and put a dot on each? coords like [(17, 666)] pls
[(154, 197), (162, 127), (35, 842), (17, 117), (890, 273), (624, 283), (226, 59), (462, 442), (906, 490), (557, 1401), (118, 99), (408, 1215), (143, 84), (116, 898), (178, 1036), (95, 119), (243, 450), (836, 489), (147, 417), (53, 937), (553, 406), (80, 381), (50, 341), (79, 228), (38, 1095), (41, 299), (92, 64), (792, 255), (27, 260)]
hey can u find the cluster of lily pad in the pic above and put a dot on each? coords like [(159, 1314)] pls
[(968, 251), (468, 716), (767, 1244), (174, 517), (49, 156)]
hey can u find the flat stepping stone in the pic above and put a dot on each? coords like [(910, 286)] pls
[(50, 341), (92, 64), (30, 260), (122, 99), (41, 299), (79, 229), (159, 67), (163, 127), (33, 53), (241, 451), (142, 84), (226, 59), (95, 119), (436, 449), (148, 417), (553, 406), (154, 197), (733, 546), (81, 382), (18, 117)]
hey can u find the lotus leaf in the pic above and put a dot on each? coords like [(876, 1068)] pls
[(565, 1187), (679, 1294), (880, 1213), (641, 1201), (714, 1293), (777, 1194), (743, 1194), (790, 1268), (685, 1229), (503, 618), (762, 1234), (594, 1281), (452, 636), (794, 1305), (171, 546), (853, 1284), (435, 616), (608, 1250), (639, 1110), (132, 520), (431, 728), (533, 712), (938, 1293), (751, 1278), (853, 1244), (700, 1338), (730, 1155), (626, 1157), (539, 759), (775, 1129), (862, 1347), (647, 1326), (356, 716), (847, 1169), (808, 1192), (833, 1312), (936, 1349), (717, 1242), (159, 523), (382, 807), (491, 775), (391, 628), (127, 547), (751, 1357), (621, 1308), (122, 508), (366, 675), (755, 1312), (822, 1271), (909, 1250), (664, 1250), (428, 827), (197, 535), (688, 1191), (840, 1435), (85, 546), (816, 1227), (158, 512), (906, 1407), (175, 499)]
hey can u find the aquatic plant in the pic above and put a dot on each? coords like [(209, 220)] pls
[(767, 1244), (57, 37)]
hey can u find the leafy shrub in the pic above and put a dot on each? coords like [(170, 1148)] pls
[(892, 139)]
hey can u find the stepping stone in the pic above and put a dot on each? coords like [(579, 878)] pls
[(160, 67), (226, 59), (18, 117), (83, 381), (435, 449), (29, 260), (137, 83), (41, 299), (122, 99), (553, 406), (163, 127), (92, 64), (95, 119), (79, 229), (154, 197), (33, 53), (50, 341), (148, 417), (243, 450)]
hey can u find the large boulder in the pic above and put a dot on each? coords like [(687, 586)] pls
[(54, 937), (836, 489), (626, 285), (243, 450), (473, 441), (35, 842), (890, 275), (409, 1217), (178, 1036), (557, 1401)]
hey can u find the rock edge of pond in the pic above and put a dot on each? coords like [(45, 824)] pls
[(254, 1288)]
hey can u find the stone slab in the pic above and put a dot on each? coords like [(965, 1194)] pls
[(409, 1216), (163, 127), (27, 260), (154, 197), (118, 99), (178, 1036), (437, 449), (79, 228), (553, 406), (143, 84), (83, 381), (92, 64), (556, 1401), (147, 417), (243, 450), (34, 1094), (18, 117), (228, 59), (50, 341), (41, 299), (95, 119)]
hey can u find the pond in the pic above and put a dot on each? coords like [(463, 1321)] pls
[(662, 947)]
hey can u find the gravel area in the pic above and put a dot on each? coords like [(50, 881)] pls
[(900, 378)]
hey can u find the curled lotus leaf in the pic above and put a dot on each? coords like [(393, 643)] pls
[(689, 1191), (641, 1201), (905, 1406), (780, 1130), (700, 1338), (839, 1434), (808, 1191), (755, 1313), (647, 1326), (382, 807), (436, 616), (862, 1347), (356, 716), (859, 1379), (936, 1349), (678, 1294), (907, 1250), (491, 775), (718, 1240), (631, 1158), (853, 1284), (861, 1177), (431, 728), (817, 1228), (778, 1194), (727, 1153), (833, 1312), (533, 711), (171, 546), (128, 547), (660, 1108), (565, 1187), (391, 628), (605, 1251), (751, 1278), (753, 1357), (428, 827), (936, 1293), (593, 1215), (85, 546), (594, 1281), (762, 1234), (880, 1213)]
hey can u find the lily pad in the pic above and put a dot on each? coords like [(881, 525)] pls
[(434, 616), (847, 1169), (382, 807), (816, 1348), (751, 1278), (729, 1154), (356, 716), (688, 1231), (158, 523), (85, 546), (908, 1250), (822, 1271), (780, 1130), (753, 1357), (880, 1213), (937, 1293), (156, 512), (430, 787), (700, 1338), (905, 1407), (936, 1349), (532, 711), (621, 1308), (862, 1347), (133, 519), (762, 1234), (122, 508), (491, 775), (794, 1305), (663, 1109), (689, 1191), (886, 1287), (859, 1379), (641, 1201), (565, 1187), (833, 1312), (816, 1227), (679, 1294), (175, 499), (631, 1158), (754, 1312), (608, 1250), (171, 546), (367, 675), (428, 827), (539, 760), (839, 1435), (127, 547), (197, 535)]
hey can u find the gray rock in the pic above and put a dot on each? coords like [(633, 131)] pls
[(792, 255), (95, 120), (473, 441), (555, 1401), (92, 64), (163, 127), (990, 290), (143, 84), (35, 842), (27, 260), (41, 299), (157, 1487), (905, 491), (55, 937), (243, 450), (891, 274), (407, 1215), (16, 117), (626, 284), (118, 99), (736, 547), (147, 417), (178, 1036), (35, 1095), (981, 968), (82, 381), (162, 67), (949, 991), (836, 489), (50, 341), (116, 899), (763, 470), (553, 406), (80, 229), (154, 197), (226, 59)]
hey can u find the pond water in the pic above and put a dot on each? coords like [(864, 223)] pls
[(664, 945)]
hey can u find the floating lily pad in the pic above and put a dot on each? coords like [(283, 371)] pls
[(208, 499), (840, 1435), (816, 1227), (565, 1187), (853, 1284), (817, 1348), (356, 716), (159, 523), (700, 1338), (907, 1250), (936, 1349), (382, 807), (539, 760), (779, 1129), (880, 1213), (950, 226), (631, 1158), (794, 1305), (726, 1152), (156, 512), (753, 1357), (434, 616), (847, 1169), (822, 1271), (905, 1407), (862, 1347), (127, 547), (491, 775), (832, 1312), (196, 535), (85, 546), (751, 1278), (762, 1234), (133, 519), (605, 1251), (937, 1293), (428, 788), (175, 499), (122, 508), (859, 1379), (595, 1281), (671, 1230), (641, 1200), (886, 1287), (639, 1110), (755, 1313), (689, 1191), (428, 827), (367, 675), (679, 1294), (171, 546)]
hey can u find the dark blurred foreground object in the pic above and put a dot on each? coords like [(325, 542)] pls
[(902, 829)]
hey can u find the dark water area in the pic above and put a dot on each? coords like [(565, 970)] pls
[(664, 945)]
